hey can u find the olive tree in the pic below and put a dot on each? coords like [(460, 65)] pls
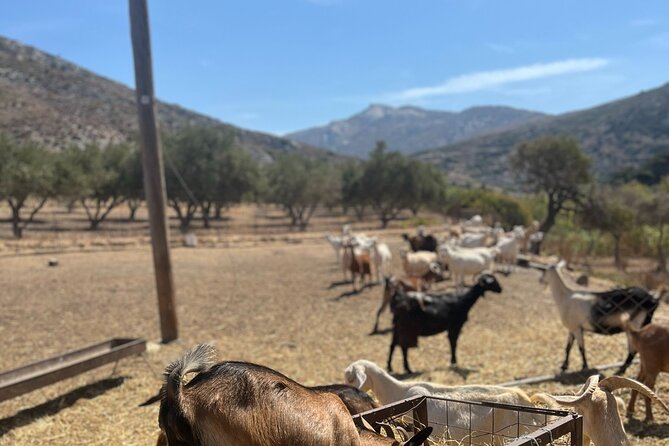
[(605, 210), (555, 166), (26, 180), (94, 175), (300, 185), (384, 183), (206, 172)]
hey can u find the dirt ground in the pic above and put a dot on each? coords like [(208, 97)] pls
[(275, 300)]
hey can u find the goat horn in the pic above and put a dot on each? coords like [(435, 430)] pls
[(620, 382), (367, 425), (586, 391)]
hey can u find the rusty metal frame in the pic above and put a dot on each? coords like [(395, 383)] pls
[(567, 423), (39, 374)]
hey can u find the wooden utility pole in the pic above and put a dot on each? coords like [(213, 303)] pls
[(152, 163)]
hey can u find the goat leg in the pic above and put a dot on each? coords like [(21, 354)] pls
[(627, 363), (570, 343), (405, 354), (650, 382), (581, 348), (393, 343), (453, 339)]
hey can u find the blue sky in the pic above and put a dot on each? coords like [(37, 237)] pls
[(285, 65)]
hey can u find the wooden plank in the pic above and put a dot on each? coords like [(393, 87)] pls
[(546, 378), (43, 373), (152, 165)]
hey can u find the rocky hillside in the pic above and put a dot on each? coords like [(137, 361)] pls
[(410, 129), (617, 135), (47, 99)]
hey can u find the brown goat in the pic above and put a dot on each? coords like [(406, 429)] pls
[(247, 405), (360, 264), (652, 343)]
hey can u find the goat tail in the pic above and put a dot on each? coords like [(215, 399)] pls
[(198, 359)]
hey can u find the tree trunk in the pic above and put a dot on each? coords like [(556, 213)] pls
[(553, 210), (384, 220), (206, 209), (133, 205), (16, 221), (359, 212), (218, 211), (617, 258)]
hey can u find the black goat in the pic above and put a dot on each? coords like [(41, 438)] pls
[(421, 242), (420, 314)]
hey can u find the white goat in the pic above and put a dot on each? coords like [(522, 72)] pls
[(382, 258), (462, 262), (366, 375), (599, 312), (470, 240), (601, 410), (509, 248), (336, 243), (476, 220)]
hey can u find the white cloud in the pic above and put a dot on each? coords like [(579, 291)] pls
[(484, 80)]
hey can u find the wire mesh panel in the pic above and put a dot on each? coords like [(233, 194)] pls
[(471, 423)]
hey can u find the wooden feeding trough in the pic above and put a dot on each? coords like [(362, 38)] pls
[(455, 422), (42, 373)]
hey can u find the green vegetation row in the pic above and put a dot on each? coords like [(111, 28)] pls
[(206, 173)]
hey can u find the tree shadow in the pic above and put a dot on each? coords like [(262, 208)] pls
[(644, 429), (53, 406), (575, 378), (405, 376), (339, 283), (154, 399), (462, 372), (347, 294)]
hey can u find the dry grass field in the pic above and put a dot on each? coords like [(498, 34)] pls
[(267, 299)]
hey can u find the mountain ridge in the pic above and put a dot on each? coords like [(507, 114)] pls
[(617, 135), (48, 99), (409, 128)]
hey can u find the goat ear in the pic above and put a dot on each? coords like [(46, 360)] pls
[(420, 438), (360, 377), (355, 376)]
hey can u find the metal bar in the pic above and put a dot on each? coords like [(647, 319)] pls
[(43, 373), (374, 416), (512, 407), (577, 434), (556, 429), (420, 417), (152, 165), (557, 377)]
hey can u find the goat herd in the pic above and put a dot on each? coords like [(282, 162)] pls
[(247, 404)]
